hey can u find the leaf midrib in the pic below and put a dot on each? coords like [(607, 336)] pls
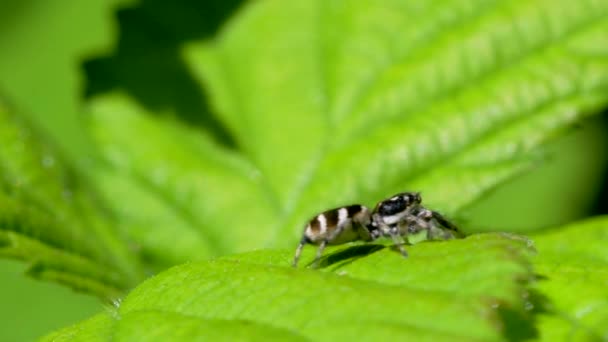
[(326, 147), (414, 174), (488, 75)]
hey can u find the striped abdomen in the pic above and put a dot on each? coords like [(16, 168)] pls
[(339, 225)]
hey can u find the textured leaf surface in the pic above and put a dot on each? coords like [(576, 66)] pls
[(573, 267), (50, 219), (358, 101), (338, 103), (183, 191), (377, 297)]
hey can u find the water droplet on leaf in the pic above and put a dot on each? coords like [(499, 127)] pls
[(48, 161)]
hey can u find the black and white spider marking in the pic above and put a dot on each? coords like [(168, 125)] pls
[(395, 217)]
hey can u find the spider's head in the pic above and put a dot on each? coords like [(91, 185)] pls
[(395, 208), (398, 203)]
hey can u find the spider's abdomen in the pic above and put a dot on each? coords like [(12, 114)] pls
[(339, 225)]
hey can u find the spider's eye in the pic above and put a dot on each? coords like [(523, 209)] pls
[(415, 197)]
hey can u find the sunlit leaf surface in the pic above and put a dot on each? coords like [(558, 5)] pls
[(338, 103), (572, 266), (376, 297)]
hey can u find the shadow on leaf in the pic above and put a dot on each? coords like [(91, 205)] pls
[(519, 324), (347, 256), (148, 57)]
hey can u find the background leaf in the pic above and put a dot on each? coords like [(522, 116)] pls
[(338, 133), (32, 308), (363, 298), (567, 185), (182, 187), (50, 219), (148, 57), (43, 44)]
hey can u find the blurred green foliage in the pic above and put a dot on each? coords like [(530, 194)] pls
[(566, 186), (43, 45), (31, 308), (55, 55)]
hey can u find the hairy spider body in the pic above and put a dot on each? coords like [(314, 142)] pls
[(335, 227), (396, 217)]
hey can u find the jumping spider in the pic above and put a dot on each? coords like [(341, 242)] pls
[(395, 217)]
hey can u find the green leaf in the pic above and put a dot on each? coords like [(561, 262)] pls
[(340, 103), (168, 326), (579, 155), (94, 329), (181, 188), (468, 284), (152, 326), (572, 265), (49, 84), (332, 104), (151, 38), (49, 218)]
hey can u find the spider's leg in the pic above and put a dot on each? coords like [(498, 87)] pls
[(419, 220), (393, 232), (398, 240), (333, 235), (447, 224), (296, 257), (319, 253)]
